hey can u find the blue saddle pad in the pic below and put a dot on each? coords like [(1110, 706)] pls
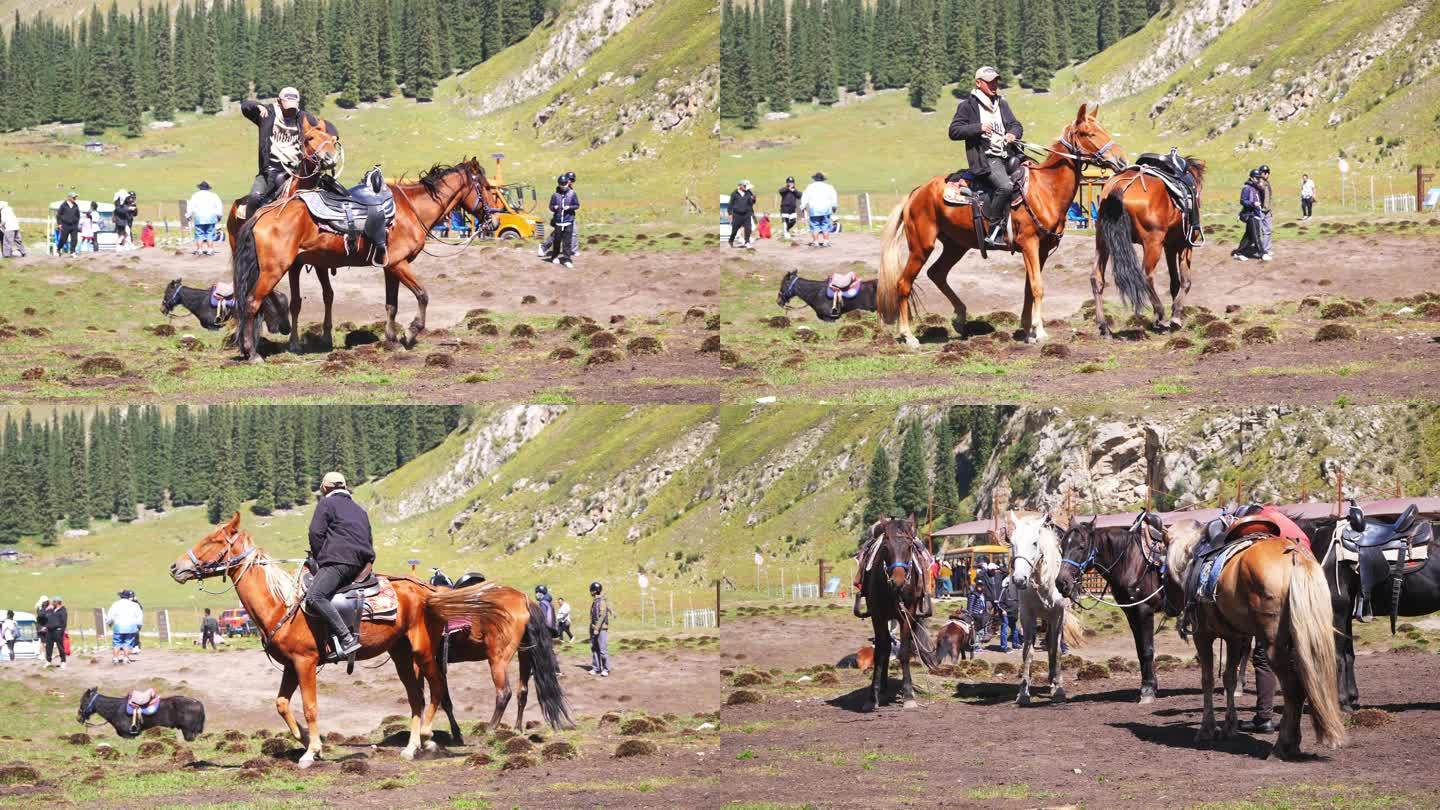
[(1211, 568)]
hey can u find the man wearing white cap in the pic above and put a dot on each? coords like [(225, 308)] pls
[(983, 120), (279, 125), (340, 547)]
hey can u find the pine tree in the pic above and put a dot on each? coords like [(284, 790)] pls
[(1039, 44), (163, 99), (879, 494), (17, 501), (77, 513), (782, 76), (925, 73), (224, 499), (1133, 14), (1082, 28), (263, 474), (349, 63), (947, 496), (1109, 27), (827, 78), (985, 34), (1062, 11), (912, 489), (266, 54), (427, 52)]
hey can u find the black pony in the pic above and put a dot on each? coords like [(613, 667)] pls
[(815, 294), (186, 714), (1133, 566), (1419, 595), (276, 308), (893, 567)]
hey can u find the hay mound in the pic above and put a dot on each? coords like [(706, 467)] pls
[(1339, 309), (1369, 718), (1071, 661), (712, 323), (641, 725), (729, 358), (1257, 335), (636, 748), (558, 750), (529, 299), (151, 748), (778, 322), (232, 734), (518, 762), (275, 747), (710, 344), (1118, 664), (750, 679), (1059, 350), (517, 745), (567, 322), (102, 364), (33, 373), (564, 353), (609, 717), (600, 356), (354, 766), (1335, 331), (479, 760), (504, 733), (104, 751), (1005, 669), (740, 697), (1093, 671), (934, 334), (78, 738), (1179, 342), (1218, 346), (807, 335), (827, 678), (162, 330), (851, 331), (488, 329), (694, 312), (520, 330), (602, 340), (184, 756), (1217, 329), (1167, 663), (1000, 318), (644, 345), (18, 775)]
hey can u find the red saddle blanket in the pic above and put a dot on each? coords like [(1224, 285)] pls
[(383, 606), (457, 625), (1271, 521)]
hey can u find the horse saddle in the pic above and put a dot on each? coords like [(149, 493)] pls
[(975, 188), (1174, 171), (844, 285), (1205, 570), (141, 703), (1153, 541), (1381, 550), (368, 598), (222, 298), (351, 212)]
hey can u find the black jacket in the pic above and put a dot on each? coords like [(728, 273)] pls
[(789, 199), (965, 126), (58, 620), (68, 215), (340, 532), (742, 203), (251, 110)]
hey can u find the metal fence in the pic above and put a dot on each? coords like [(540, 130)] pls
[(697, 618)]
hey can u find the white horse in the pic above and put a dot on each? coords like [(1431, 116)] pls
[(1034, 566)]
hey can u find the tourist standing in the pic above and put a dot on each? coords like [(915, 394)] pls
[(742, 212), (9, 633), (600, 614), (11, 244), (68, 218), (820, 201), (209, 626), (57, 621), (1307, 197), (789, 204), (205, 210), (1267, 219)]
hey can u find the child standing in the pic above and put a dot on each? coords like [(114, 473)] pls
[(563, 205)]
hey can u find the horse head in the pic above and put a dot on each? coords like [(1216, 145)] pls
[(898, 555), (215, 554), (87, 704), (787, 287), (320, 145), (1034, 550), (171, 297), (1078, 548), (1091, 142)]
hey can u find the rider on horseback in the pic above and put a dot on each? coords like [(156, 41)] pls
[(983, 120), (280, 127), (340, 548)]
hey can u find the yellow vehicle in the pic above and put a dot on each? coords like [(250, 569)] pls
[(514, 220)]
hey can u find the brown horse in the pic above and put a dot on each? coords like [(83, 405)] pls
[(954, 641), (519, 627), (1275, 592), (272, 598), (285, 238), (1136, 209), (924, 218)]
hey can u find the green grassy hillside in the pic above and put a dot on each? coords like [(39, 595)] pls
[(581, 454), (671, 42), (1385, 102)]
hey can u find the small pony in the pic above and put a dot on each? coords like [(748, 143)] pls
[(143, 709), (955, 641), (214, 306)]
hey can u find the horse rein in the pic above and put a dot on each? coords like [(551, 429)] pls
[(1092, 561), (482, 213)]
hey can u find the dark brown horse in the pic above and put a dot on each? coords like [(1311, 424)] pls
[(893, 568), (283, 238), (518, 629), (272, 597), (924, 220), (1274, 592), (1136, 209), (1132, 565)]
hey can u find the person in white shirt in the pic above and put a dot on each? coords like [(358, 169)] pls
[(9, 633), (125, 618), (562, 620), (820, 203), (13, 245), (1307, 197), (205, 210)]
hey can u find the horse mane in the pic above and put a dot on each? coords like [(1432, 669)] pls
[(437, 172), (280, 583), (1197, 170), (1048, 542)]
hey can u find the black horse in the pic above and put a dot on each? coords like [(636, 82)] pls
[(893, 569), (1133, 567), (1419, 595), (815, 294), (186, 714), (276, 308)]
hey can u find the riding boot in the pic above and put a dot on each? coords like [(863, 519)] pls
[(860, 614), (927, 606)]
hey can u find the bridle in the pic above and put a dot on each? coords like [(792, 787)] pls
[(788, 292), (172, 301), (1092, 560), (219, 567), (1082, 158), (482, 212), (89, 710)]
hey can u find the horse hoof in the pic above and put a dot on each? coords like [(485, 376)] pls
[(1147, 697), (305, 762), (959, 327), (1022, 700), (431, 745), (1057, 696), (911, 704), (1205, 735), (912, 342), (407, 754), (867, 708)]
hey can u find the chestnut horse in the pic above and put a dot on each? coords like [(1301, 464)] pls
[(320, 152), (285, 238), (924, 218), (1275, 592), (1133, 210), (272, 598), (519, 627)]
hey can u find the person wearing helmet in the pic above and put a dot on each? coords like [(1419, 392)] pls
[(340, 547), (563, 205), (547, 607), (1251, 211), (600, 614), (789, 204), (280, 126)]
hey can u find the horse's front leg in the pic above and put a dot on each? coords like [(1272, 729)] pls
[(1027, 650), (327, 294), (406, 667), (1205, 654), (402, 271), (500, 675), (392, 304), (1057, 670), (1097, 285), (306, 669), (289, 680), (295, 312), (1032, 316), (907, 649), (1142, 627)]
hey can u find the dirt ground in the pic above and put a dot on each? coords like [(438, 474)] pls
[(238, 689), (661, 294), (1392, 352), (968, 744)]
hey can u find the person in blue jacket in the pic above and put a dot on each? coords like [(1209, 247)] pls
[(563, 205)]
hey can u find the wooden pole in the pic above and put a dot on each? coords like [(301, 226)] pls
[(717, 603)]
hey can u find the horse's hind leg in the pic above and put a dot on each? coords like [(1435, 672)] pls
[(1097, 285), (405, 668), (951, 253), (921, 244), (422, 298), (1234, 654), (1205, 654), (524, 695), (289, 680), (327, 292), (1178, 261), (429, 668), (392, 304), (1057, 671), (1154, 248), (294, 312), (500, 675)]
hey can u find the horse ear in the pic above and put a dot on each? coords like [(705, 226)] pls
[(1082, 115), (234, 522), (1010, 520)]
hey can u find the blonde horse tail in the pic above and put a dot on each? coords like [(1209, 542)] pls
[(1072, 630), (1308, 621), (894, 255)]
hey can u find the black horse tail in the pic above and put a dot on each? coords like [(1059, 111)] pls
[(444, 660), (921, 638), (546, 668), (245, 269), (1115, 228)]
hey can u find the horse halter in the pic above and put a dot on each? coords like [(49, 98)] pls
[(172, 301), (205, 570), (1095, 158), (789, 292)]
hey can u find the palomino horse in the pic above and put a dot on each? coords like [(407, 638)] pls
[(320, 152), (1034, 567), (1273, 591), (518, 628), (1135, 211), (1131, 565), (285, 238), (893, 568), (923, 219), (272, 598)]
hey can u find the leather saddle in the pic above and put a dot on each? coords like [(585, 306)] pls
[(141, 703), (1174, 171), (222, 298), (1224, 537), (351, 212), (977, 188), (349, 602), (1386, 551)]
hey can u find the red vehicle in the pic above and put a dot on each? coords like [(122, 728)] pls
[(236, 622)]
